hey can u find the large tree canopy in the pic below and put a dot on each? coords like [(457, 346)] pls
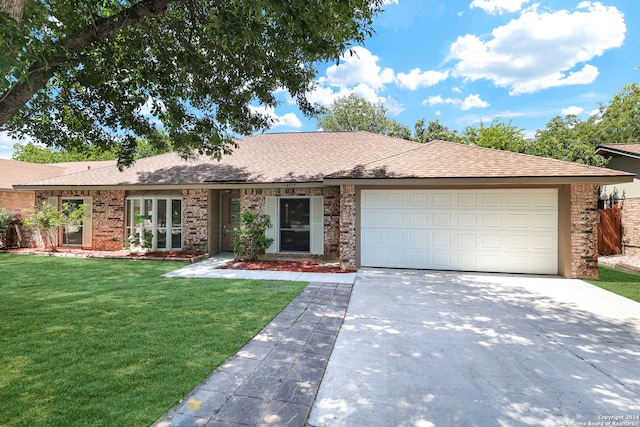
[(87, 72), (352, 113)]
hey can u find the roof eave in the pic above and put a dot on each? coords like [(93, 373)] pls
[(478, 181), (206, 186), (616, 152)]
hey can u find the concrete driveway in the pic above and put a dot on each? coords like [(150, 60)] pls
[(454, 349)]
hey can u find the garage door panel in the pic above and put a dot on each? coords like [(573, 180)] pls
[(492, 241), (394, 200), (441, 219), (508, 230), (492, 219), (539, 220), (467, 199), (442, 199), (420, 219)]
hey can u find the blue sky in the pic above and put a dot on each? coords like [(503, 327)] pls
[(463, 61)]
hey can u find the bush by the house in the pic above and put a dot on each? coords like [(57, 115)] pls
[(249, 240)]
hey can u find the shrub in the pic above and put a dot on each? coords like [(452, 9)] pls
[(249, 240), (46, 218), (6, 220)]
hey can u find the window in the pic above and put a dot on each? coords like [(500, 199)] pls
[(298, 224), (72, 234), (155, 223), (294, 224)]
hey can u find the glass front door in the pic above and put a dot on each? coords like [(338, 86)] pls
[(294, 225), (72, 234)]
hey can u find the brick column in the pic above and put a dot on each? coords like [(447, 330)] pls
[(195, 220), (348, 226), (584, 231)]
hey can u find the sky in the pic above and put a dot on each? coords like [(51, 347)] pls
[(466, 61)]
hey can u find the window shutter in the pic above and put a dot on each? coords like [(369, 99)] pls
[(86, 224), (317, 225), (271, 209)]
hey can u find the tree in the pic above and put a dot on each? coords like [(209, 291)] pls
[(619, 121), (352, 113), (78, 73), (498, 135), (34, 153), (568, 139), (433, 131)]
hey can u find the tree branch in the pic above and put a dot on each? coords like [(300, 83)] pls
[(40, 72)]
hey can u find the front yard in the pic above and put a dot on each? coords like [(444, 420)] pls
[(102, 343), (619, 282)]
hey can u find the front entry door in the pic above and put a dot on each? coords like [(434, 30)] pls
[(230, 204)]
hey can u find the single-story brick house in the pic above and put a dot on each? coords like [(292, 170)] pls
[(361, 198), (626, 157)]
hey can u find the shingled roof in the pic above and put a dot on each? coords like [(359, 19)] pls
[(279, 158), (627, 149), (14, 172)]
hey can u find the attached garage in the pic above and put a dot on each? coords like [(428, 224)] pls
[(489, 230)]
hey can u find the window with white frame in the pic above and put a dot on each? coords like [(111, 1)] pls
[(298, 224), (72, 234), (154, 223)]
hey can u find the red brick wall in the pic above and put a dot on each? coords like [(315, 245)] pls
[(631, 227), (584, 231), (17, 202), (348, 226), (107, 218), (195, 227)]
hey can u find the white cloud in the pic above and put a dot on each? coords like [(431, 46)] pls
[(386, 2), (6, 145), (540, 50), (358, 73), (288, 120), (417, 78), (471, 101), (358, 66), (498, 6), (573, 110)]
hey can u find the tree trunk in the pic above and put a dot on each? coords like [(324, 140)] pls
[(40, 72), (13, 7)]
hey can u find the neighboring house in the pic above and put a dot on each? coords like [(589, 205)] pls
[(362, 198), (16, 172), (626, 157)]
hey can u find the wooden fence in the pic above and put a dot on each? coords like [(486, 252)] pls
[(610, 231)]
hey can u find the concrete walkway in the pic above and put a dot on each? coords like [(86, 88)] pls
[(274, 378), (457, 349), (208, 269)]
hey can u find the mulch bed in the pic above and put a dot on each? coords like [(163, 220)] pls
[(297, 266)]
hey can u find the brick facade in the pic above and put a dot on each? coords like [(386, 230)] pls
[(195, 227), (254, 201), (631, 226), (107, 217), (17, 202), (340, 220), (584, 231), (348, 226)]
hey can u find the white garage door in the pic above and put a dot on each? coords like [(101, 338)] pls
[(508, 230)]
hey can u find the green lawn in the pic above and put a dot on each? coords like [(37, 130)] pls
[(110, 342), (619, 282)]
